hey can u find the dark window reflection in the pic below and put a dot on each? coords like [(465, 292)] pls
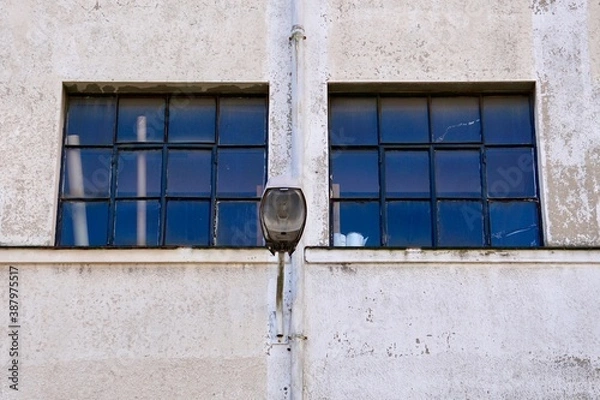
[(362, 218), (139, 173), (510, 172), (84, 224), (87, 172), (243, 121), (192, 119), (240, 172), (409, 223), (92, 120), (457, 170), (455, 119), (507, 120), (514, 224), (404, 120), (460, 224), (353, 121), (356, 172), (188, 223), (458, 173), (137, 223), (237, 224), (189, 173), (407, 174), (132, 164), (141, 120)]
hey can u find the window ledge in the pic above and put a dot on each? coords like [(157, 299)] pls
[(183, 255), (483, 257)]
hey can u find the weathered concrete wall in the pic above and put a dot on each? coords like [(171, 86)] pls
[(451, 326), (378, 324), (568, 89), (139, 329), (551, 43), (383, 325), (49, 43), (387, 40), (554, 44)]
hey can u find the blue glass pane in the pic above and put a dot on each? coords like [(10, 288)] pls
[(237, 224), (458, 173), (188, 223), (460, 224), (139, 113), (129, 215), (407, 174), (240, 172), (91, 119), (510, 173), (514, 224), (87, 173), (360, 217), (455, 119), (189, 173), (356, 172), (192, 119), (404, 120), (409, 223), (243, 121), (83, 222), (507, 120), (145, 166), (353, 121)]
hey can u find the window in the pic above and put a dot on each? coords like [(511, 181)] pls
[(434, 171), (162, 170)]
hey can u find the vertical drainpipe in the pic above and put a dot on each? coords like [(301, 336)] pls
[(298, 110), (297, 38)]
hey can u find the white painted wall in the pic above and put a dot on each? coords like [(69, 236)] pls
[(127, 324), (198, 324), (446, 325), (378, 324), (552, 44)]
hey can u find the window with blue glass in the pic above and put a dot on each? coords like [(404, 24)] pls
[(163, 170), (433, 171)]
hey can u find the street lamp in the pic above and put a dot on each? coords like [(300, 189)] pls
[(282, 217)]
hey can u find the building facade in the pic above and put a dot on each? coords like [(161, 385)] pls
[(423, 310)]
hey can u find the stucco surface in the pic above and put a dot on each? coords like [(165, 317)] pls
[(594, 42), (367, 324), (427, 332), (551, 43), (48, 43), (153, 332), (565, 39), (440, 40)]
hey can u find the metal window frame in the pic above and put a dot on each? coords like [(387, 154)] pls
[(431, 147), (164, 146)]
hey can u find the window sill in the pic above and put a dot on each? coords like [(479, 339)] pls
[(543, 257), (182, 255)]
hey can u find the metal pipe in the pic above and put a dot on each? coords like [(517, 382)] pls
[(279, 296), (296, 273), (297, 96)]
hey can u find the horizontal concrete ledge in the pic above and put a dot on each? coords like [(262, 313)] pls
[(538, 257), (136, 256)]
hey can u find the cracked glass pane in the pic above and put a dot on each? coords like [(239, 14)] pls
[(514, 224), (455, 120)]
